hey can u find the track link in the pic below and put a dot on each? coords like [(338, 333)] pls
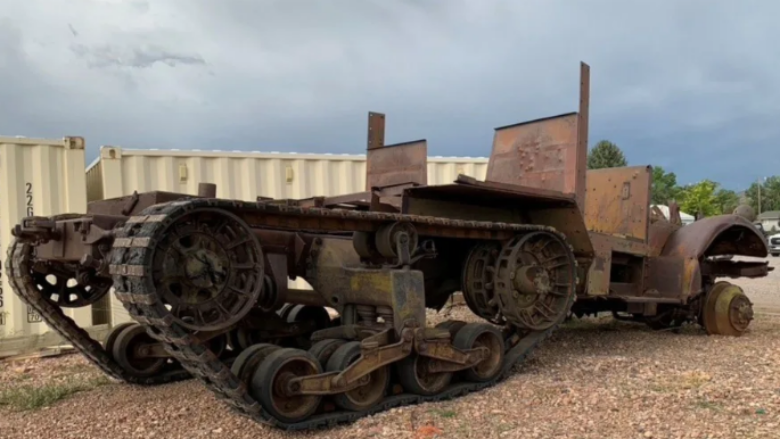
[(131, 261), (18, 265)]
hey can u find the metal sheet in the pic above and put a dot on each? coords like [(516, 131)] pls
[(618, 200), (549, 153), (717, 235), (540, 154), (397, 164), (37, 177), (376, 130), (520, 204)]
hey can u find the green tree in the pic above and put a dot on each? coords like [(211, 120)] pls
[(770, 194), (726, 201), (700, 199), (606, 154), (665, 188)]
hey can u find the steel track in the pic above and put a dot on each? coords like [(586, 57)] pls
[(132, 257), (18, 268)]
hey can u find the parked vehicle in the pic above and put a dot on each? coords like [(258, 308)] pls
[(539, 239)]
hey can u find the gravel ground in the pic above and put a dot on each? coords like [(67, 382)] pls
[(595, 378)]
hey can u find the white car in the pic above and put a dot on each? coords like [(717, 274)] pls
[(774, 244)]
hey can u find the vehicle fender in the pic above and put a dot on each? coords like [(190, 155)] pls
[(717, 235)]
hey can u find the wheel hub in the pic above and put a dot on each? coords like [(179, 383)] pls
[(208, 269), (205, 269), (726, 310), (740, 312)]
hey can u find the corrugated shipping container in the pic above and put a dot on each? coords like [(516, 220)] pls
[(244, 176), (37, 177)]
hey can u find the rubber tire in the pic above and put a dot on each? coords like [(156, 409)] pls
[(284, 311), (452, 325), (249, 359), (345, 355), (466, 339), (108, 345), (125, 336), (324, 349), (267, 370), (406, 371)]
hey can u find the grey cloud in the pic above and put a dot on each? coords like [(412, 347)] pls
[(135, 57), (690, 86)]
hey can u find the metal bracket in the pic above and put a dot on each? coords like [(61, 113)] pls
[(131, 203)]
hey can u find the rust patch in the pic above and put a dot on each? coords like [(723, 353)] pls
[(717, 235), (397, 164), (376, 130), (549, 153), (618, 200), (539, 154)]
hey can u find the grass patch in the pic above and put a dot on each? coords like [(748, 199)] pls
[(444, 413), (708, 405), (31, 397), (685, 381)]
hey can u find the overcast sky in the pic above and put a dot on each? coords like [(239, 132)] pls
[(692, 85)]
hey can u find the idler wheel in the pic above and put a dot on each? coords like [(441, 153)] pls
[(208, 269), (129, 351), (415, 377), (367, 395), (478, 281), (535, 280), (65, 291), (270, 379), (475, 335)]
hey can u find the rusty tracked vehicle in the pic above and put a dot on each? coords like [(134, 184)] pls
[(535, 242)]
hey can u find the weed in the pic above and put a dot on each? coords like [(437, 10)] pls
[(31, 397), (709, 405), (444, 413)]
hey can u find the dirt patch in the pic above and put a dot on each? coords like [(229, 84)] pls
[(593, 379)]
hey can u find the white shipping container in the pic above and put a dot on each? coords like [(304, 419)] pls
[(39, 177), (244, 176)]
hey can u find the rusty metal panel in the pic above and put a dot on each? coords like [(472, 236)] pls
[(717, 235), (38, 177), (618, 200), (672, 277), (549, 153), (600, 269), (376, 130), (540, 154), (397, 164), (582, 135)]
